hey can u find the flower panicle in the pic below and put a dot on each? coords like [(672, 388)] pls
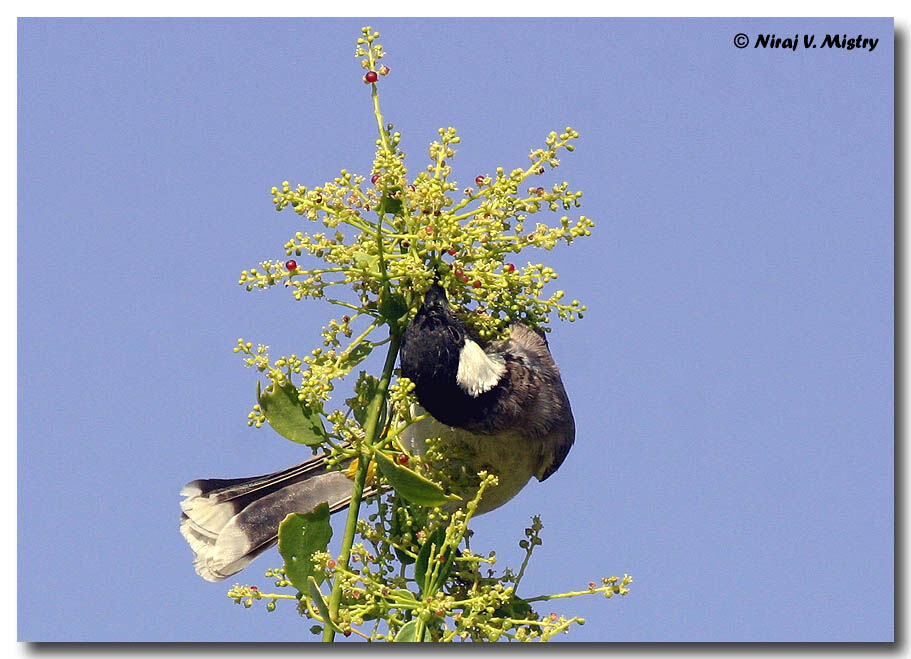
[(386, 228), (408, 571), (379, 598)]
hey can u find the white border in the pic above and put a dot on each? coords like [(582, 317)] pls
[(350, 8)]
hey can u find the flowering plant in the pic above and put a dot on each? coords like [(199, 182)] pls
[(407, 571)]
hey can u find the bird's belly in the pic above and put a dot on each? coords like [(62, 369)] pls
[(510, 456)]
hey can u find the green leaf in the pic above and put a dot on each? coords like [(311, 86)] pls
[(288, 416), (388, 205), (430, 552), (392, 305), (405, 594), (363, 394), (411, 484), (299, 535), (516, 608), (365, 261), (317, 596), (358, 354), (408, 633)]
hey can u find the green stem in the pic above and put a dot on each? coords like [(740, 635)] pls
[(379, 119), (519, 576), (371, 432), (376, 105), (419, 630), (575, 593)]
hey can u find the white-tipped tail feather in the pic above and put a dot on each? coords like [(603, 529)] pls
[(229, 522)]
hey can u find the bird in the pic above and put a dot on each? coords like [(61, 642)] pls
[(501, 406)]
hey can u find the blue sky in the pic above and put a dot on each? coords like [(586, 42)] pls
[(731, 383)]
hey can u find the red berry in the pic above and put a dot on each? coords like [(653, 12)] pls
[(437, 212), (459, 273), (347, 632), (411, 187), (479, 180), (291, 264), (384, 70), (374, 178), (451, 252), (406, 244), (540, 170), (330, 563), (428, 230), (402, 459), (254, 587), (370, 77), (476, 283), (510, 267)]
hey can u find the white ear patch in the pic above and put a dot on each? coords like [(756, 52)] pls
[(478, 371)]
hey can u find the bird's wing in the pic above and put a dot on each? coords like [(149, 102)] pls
[(534, 381)]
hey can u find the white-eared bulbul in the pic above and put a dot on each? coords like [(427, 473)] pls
[(501, 407)]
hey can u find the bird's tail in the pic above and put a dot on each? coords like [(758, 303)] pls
[(229, 522)]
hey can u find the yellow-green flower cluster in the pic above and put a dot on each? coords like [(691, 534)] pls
[(379, 597), (344, 428), (409, 233), (401, 393), (613, 586), (318, 371), (278, 371), (334, 328), (368, 48), (380, 242)]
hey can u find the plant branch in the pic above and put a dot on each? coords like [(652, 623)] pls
[(371, 433)]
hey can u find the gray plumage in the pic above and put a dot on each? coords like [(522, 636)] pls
[(229, 522), (535, 404)]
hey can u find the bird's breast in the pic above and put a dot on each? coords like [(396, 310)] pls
[(512, 457)]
